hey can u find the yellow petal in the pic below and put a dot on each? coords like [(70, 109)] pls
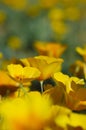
[(81, 51), (23, 73), (46, 65), (61, 77), (78, 120)]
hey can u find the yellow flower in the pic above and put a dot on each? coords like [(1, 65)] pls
[(16, 116), (14, 42), (2, 16), (59, 27), (68, 120), (31, 112), (78, 120), (78, 96), (63, 117), (82, 51), (46, 65), (50, 49), (83, 1), (16, 4), (77, 69), (33, 10), (7, 84), (1, 55), (48, 4), (72, 13), (73, 91), (57, 94), (38, 108), (25, 61), (23, 74), (66, 80), (56, 14)]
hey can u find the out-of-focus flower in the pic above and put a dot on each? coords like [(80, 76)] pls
[(2, 16), (38, 108), (66, 119), (50, 49), (7, 85), (23, 74), (83, 1), (63, 114), (48, 4), (59, 27), (56, 14), (1, 55), (4, 63), (16, 117), (23, 111), (33, 10), (82, 51), (46, 65), (14, 42), (17, 5), (72, 13), (79, 122), (78, 69)]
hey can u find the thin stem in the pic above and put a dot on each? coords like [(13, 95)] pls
[(41, 83)]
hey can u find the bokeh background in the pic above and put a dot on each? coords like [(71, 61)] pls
[(23, 22)]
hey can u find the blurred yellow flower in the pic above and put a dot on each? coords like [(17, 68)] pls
[(1, 55), (63, 117), (2, 16), (14, 42), (30, 112), (78, 120), (82, 1), (72, 13), (78, 69), (23, 74), (16, 116), (47, 3), (50, 49), (16, 4), (56, 14), (36, 112), (7, 84), (59, 27), (46, 65), (82, 51), (33, 10), (69, 120)]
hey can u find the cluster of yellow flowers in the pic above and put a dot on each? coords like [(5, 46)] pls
[(55, 107)]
